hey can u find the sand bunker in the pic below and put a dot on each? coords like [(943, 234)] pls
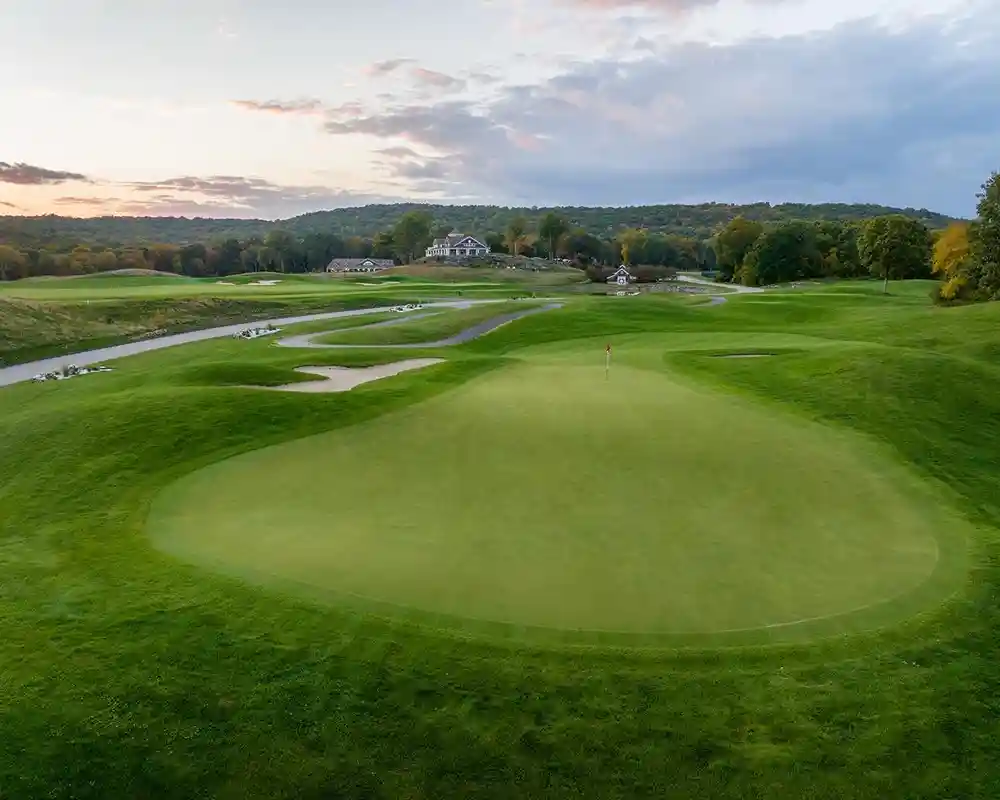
[(745, 355), (343, 379)]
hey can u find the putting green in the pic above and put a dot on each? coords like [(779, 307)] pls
[(542, 498)]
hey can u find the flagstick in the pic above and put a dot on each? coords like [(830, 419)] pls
[(607, 364)]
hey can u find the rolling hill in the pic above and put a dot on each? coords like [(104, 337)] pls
[(699, 221)]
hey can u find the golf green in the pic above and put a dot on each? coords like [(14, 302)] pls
[(543, 497)]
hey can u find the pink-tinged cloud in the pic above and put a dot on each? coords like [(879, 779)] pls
[(83, 201), (345, 110), (22, 174), (438, 80), (526, 141), (305, 105)]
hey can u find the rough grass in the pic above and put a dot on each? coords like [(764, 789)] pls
[(32, 330), (127, 674)]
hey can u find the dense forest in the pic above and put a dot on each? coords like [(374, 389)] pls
[(693, 221), (760, 245)]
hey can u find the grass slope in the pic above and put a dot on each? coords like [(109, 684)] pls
[(127, 674), (31, 330)]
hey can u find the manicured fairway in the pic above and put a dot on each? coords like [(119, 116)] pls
[(429, 326), (544, 499)]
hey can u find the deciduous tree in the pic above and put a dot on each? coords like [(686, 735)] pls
[(895, 247), (105, 261), (412, 234), (632, 242), (733, 243), (282, 248), (383, 245), (192, 259), (582, 246), (135, 258), (161, 257), (11, 263), (550, 229), (838, 245), (684, 253), (495, 242), (786, 252), (227, 257), (986, 240), (953, 260), (516, 235)]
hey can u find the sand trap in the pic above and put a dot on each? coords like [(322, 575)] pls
[(343, 379), (745, 355)]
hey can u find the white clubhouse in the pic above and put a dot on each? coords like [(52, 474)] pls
[(457, 245)]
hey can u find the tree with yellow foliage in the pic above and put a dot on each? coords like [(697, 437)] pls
[(632, 242), (952, 259)]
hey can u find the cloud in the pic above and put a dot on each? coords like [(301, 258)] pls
[(387, 67), (305, 105), (70, 200), (235, 196), (858, 113), (437, 80), (422, 77), (399, 152), (232, 196), (426, 82), (28, 175), (426, 172), (654, 6), (484, 77)]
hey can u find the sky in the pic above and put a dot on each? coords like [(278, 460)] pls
[(252, 108)]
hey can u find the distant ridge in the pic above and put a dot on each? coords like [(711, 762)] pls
[(698, 221)]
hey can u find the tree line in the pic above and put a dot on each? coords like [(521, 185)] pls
[(889, 247), (699, 222), (278, 251), (550, 236)]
